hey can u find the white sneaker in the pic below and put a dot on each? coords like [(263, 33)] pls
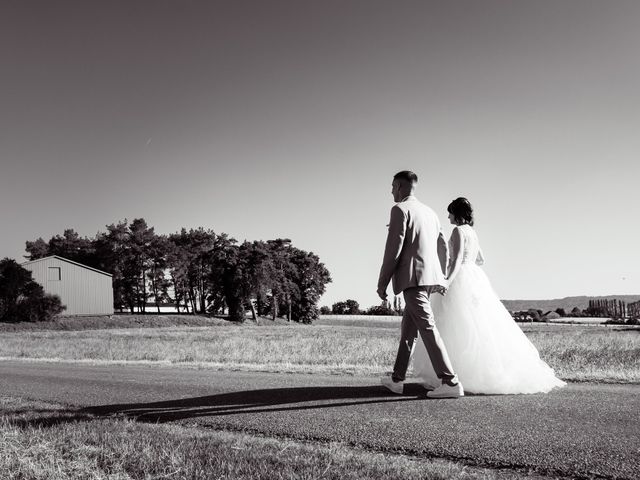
[(447, 391), (395, 387)]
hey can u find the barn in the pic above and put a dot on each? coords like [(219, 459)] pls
[(84, 290)]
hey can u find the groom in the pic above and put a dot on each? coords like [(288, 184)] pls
[(414, 258)]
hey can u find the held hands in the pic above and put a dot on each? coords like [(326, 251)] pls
[(442, 289)]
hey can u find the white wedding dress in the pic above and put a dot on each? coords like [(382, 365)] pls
[(488, 350)]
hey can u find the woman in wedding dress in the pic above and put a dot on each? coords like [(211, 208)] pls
[(487, 349)]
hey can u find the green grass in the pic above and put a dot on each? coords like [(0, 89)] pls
[(581, 353), (66, 447), (115, 321)]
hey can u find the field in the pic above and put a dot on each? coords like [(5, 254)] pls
[(333, 345)]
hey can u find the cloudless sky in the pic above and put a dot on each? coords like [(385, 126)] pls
[(267, 119)]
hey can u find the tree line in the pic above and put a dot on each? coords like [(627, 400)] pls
[(352, 307), (197, 270)]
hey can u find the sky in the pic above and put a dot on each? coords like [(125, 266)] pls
[(288, 119)]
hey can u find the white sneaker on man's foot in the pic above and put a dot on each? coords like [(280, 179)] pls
[(447, 391), (395, 387)]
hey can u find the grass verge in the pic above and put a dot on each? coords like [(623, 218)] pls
[(577, 353), (68, 448)]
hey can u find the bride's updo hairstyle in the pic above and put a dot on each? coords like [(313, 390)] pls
[(462, 211)]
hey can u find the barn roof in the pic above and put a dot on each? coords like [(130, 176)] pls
[(68, 261)]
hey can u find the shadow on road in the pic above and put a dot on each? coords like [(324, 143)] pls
[(256, 401), (244, 402)]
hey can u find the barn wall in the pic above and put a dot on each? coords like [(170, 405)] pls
[(83, 291)]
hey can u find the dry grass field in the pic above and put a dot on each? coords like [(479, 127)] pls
[(361, 347)]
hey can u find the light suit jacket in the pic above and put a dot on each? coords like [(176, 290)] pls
[(416, 251)]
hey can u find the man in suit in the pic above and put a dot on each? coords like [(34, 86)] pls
[(415, 258)]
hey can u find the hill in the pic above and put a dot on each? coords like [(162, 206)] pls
[(567, 303)]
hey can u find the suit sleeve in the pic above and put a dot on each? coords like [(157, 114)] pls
[(393, 247)]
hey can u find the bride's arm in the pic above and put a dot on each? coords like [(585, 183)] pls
[(442, 252), (457, 244)]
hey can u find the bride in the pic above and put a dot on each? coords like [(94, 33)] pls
[(488, 350)]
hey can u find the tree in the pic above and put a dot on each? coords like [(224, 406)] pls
[(112, 251), (222, 280), (192, 262), (21, 298), (256, 273), (348, 307), (37, 249), (15, 281), (178, 265), (159, 284), (353, 307), (280, 283), (310, 278), (324, 310), (139, 242), (72, 246), (339, 308), (69, 245), (561, 312), (279, 278)]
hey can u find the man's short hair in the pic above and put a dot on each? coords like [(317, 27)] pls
[(406, 175)]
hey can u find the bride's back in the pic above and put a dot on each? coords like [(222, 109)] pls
[(470, 246)]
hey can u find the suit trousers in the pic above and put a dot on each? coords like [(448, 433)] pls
[(418, 317)]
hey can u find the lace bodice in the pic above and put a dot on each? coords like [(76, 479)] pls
[(471, 252), (471, 246)]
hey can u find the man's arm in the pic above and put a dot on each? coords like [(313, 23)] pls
[(393, 248)]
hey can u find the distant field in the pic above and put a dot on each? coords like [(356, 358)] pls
[(359, 320), (182, 320), (389, 321), (115, 321), (593, 353), (568, 303)]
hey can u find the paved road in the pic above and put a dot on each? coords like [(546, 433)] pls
[(583, 430)]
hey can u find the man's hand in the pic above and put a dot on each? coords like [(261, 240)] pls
[(382, 293)]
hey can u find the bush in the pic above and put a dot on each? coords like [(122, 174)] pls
[(21, 298), (381, 310), (535, 314), (39, 308), (576, 312), (561, 312)]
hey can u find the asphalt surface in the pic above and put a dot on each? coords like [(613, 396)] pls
[(582, 430)]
